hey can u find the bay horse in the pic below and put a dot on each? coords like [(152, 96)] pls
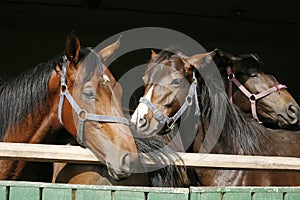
[(173, 82), (75, 92), (160, 154), (257, 92)]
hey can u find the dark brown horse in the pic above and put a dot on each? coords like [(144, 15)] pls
[(172, 82), (257, 92), (75, 92)]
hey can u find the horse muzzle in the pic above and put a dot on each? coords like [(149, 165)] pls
[(122, 168)]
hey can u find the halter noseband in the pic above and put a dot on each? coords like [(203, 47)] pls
[(170, 121), (82, 114), (252, 97)]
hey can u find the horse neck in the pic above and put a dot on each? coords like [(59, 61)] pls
[(26, 107), (239, 134)]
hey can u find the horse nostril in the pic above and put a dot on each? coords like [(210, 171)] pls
[(142, 122), (292, 109), (126, 163), (293, 113)]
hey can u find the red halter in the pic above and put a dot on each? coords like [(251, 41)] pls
[(252, 97)]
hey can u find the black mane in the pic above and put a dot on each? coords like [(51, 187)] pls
[(240, 133), (26, 93), (156, 149)]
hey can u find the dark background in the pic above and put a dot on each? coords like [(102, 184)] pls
[(35, 31)]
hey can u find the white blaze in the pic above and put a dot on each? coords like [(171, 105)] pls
[(105, 78), (142, 109)]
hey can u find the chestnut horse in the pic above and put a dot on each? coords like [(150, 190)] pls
[(74, 92), (173, 83), (257, 92)]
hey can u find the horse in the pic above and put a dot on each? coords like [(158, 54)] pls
[(162, 175), (73, 92), (173, 83), (256, 92)]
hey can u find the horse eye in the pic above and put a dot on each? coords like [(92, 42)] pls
[(89, 94), (176, 82), (253, 75)]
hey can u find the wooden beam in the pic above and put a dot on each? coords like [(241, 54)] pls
[(76, 154), (241, 161), (46, 153)]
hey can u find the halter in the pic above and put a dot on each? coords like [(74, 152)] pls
[(170, 121), (252, 97), (82, 114)]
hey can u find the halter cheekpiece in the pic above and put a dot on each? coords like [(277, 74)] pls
[(82, 114)]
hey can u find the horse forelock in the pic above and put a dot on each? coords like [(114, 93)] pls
[(90, 61), (250, 55), (250, 61), (165, 58)]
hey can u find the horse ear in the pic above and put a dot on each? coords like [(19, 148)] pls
[(153, 55), (200, 60), (227, 55), (108, 51), (72, 48)]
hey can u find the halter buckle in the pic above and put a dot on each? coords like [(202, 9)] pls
[(171, 123)]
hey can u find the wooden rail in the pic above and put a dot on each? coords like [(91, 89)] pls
[(76, 154)]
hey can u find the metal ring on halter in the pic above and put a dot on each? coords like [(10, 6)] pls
[(252, 97), (63, 88), (82, 114), (158, 115), (171, 123), (189, 100), (230, 76)]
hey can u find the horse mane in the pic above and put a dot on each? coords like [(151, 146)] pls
[(28, 93), (24, 94), (162, 155), (240, 133)]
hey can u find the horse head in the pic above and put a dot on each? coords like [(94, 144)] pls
[(170, 88), (86, 98), (258, 92)]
